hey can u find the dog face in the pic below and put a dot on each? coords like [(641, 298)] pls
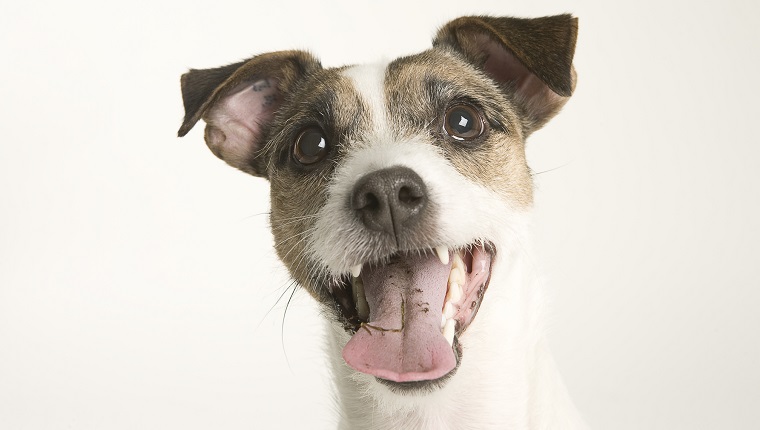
[(395, 187)]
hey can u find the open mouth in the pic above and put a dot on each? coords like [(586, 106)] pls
[(407, 312)]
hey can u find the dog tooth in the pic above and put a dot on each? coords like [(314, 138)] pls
[(448, 310), (458, 293), (448, 331), (458, 269), (454, 295), (457, 276), (356, 270), (443, 322), (458, 261), (362, 307), (443, 254)]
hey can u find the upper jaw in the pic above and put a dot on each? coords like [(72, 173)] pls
[(346, 289)]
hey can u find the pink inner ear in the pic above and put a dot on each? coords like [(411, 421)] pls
[(238, 120), (504, 67)]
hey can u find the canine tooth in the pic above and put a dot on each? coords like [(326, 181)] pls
[(362, 307), (448, 310), (448, 331), (443, 254), (443, 322), (356, 270), (454, 295)]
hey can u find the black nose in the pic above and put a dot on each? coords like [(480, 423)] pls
[(390, 200)]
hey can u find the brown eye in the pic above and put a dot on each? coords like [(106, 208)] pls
[(311, 146), (463, 122)]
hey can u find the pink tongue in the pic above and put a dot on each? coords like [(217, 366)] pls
[(416, 284)]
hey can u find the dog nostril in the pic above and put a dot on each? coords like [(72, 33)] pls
[(407, 195), (370, 202)]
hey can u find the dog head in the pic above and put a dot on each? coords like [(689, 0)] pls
[(396, 188)]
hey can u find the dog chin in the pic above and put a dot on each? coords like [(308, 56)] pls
[(406, 313)]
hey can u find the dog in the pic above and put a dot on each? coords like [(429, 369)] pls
[(400, 200)]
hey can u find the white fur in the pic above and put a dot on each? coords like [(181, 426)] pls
[(507, 379)]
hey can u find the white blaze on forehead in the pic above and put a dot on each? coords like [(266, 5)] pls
[(369, 81)]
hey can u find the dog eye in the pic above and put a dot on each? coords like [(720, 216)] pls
[(311, 146), (463, 122)]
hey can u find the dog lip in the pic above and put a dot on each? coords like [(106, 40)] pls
[(476, 291)]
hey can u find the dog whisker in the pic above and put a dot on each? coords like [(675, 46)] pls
[(293, 220), (282, 324), (253, 216), (288, 285), (294, 245), (549, 170)]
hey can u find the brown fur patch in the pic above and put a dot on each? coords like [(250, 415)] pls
[(419, 90), (327, 100)]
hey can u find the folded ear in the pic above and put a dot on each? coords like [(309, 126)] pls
[(531, 57), (238, 102)]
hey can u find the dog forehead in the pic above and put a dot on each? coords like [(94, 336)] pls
[(402, 96)]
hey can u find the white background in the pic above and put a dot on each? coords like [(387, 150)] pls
[(137, 274)]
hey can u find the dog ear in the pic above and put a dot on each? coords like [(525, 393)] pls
[(531, 57), (238, 102)]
